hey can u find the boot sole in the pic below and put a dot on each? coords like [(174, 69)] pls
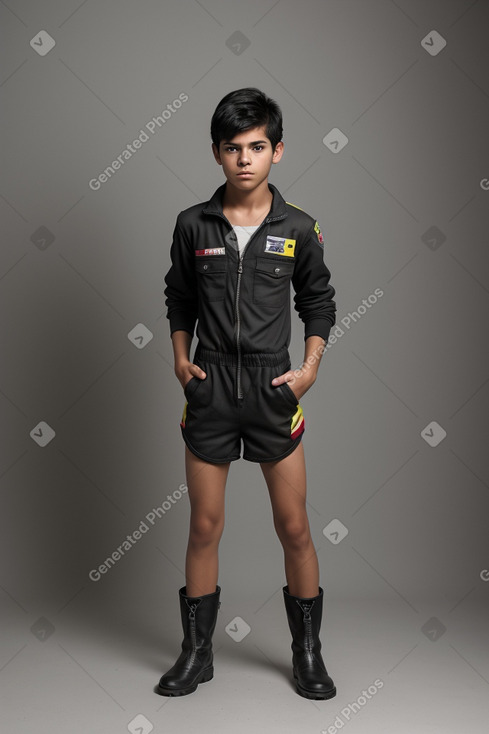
[(205, 676), (314, 695)]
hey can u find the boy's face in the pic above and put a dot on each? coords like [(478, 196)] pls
[(247, 158)]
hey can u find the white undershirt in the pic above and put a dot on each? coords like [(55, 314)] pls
[(243, 234)]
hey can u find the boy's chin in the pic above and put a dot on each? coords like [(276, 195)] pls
[(245, 184)]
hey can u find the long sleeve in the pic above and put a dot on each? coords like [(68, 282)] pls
[(181, 286), (313, 291)]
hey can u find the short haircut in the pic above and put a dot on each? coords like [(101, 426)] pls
[(245, 109)]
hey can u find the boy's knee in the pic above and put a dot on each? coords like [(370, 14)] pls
[(295, 534), (205, 530)]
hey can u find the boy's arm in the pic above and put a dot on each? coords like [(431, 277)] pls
[(184, 368), (181, 287), (300, 380), (313, 290), (316, 308), (181, 302)]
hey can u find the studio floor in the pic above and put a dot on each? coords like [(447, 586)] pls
[(396, 671)]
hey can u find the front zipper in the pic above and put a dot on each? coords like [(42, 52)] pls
[(239, 390)]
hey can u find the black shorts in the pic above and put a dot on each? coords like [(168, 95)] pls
[(268, 419)]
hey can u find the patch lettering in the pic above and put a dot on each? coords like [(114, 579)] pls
[(211, 251)]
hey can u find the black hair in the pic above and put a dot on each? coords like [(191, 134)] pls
[(243, 110)]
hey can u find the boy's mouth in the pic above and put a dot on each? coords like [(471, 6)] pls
[(245, 173)]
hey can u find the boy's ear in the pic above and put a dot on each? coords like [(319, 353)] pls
[(215, 151), (278, 152)]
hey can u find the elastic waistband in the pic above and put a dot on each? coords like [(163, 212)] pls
[(255, 359)]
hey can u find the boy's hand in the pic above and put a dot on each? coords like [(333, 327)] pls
[(299, 381), (186, 370), (302, 379)]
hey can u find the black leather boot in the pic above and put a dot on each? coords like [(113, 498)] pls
[(304, 617), (195, 663)]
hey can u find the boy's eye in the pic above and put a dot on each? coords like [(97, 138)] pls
[(231, 148)]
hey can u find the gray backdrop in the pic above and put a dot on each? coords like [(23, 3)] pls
[(386, 112)]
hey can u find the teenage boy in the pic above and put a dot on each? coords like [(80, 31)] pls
[(233, 260)]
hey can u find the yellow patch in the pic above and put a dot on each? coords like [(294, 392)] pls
[(280, 246), (289, 248)]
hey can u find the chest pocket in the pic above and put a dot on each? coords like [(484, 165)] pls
[(271, 282), (211, 277)]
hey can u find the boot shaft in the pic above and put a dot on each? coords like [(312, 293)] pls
[(304, 616), (195, 662), (199, 618)]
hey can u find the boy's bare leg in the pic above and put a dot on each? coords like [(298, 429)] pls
[(206, 485), (286, 482)]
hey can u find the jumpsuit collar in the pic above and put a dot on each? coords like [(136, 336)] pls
[(278, 208)]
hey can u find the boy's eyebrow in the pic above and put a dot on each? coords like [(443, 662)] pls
[(230, 142)]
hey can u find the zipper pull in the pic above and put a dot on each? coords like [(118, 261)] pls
[(240, 266)]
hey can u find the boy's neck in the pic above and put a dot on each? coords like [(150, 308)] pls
[(247, 205)]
